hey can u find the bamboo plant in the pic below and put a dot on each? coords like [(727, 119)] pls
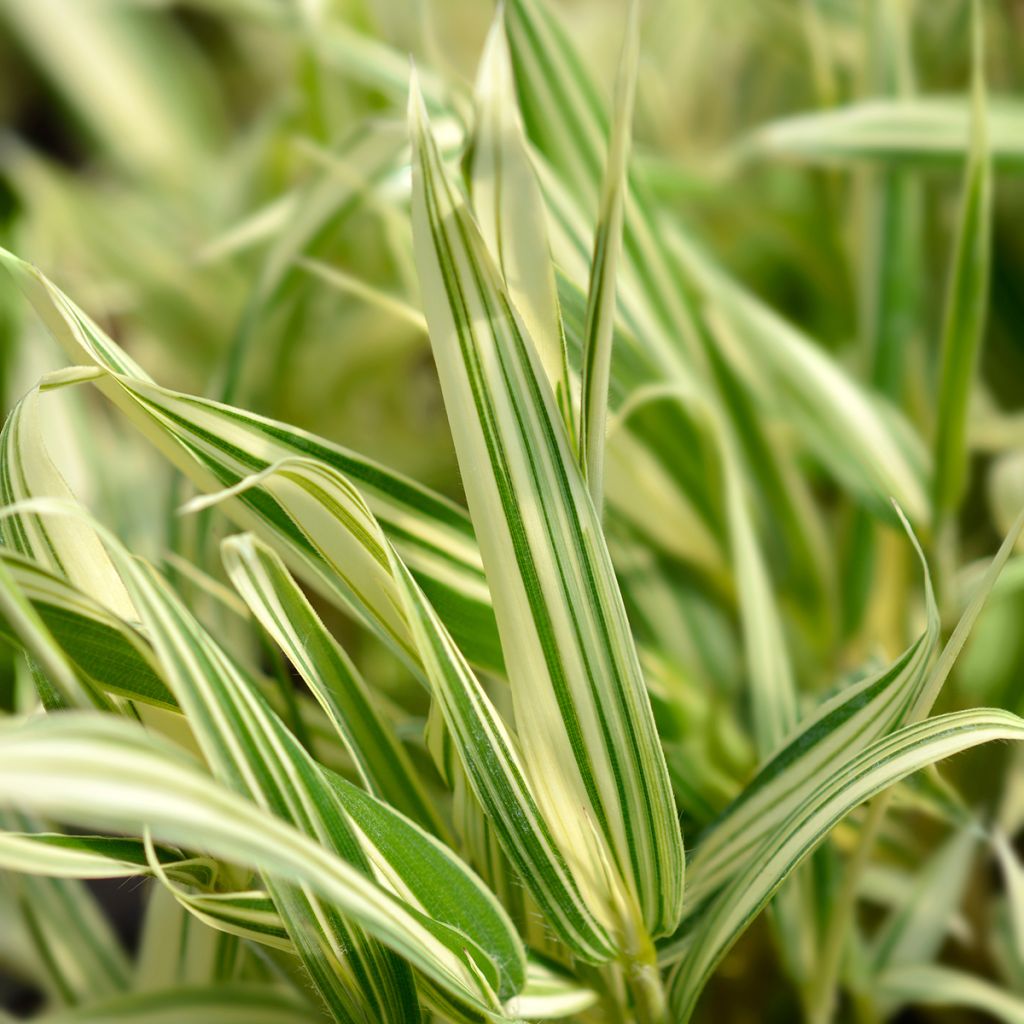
[(652, 679)]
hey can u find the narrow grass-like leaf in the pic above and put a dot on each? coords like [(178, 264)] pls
[(58, 682), (849, 783), (48, 765), (107, 653), (243, 913), (56, 855), (433, 879), (924, 131), (774, 710), (867, 448), (509, 208), (581, 709), (1013, 880), (129, 106), (864, 441), (70, 549), (857, 715), (889, 269), (73, 938), (485, 747), (501, 781), (966, 300), (217, 446), (600, 321), (251, 751), (914, 933), (550, 994), (249, 747), (275, 599)]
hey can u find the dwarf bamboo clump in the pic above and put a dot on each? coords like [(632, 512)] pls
[(621, 639)]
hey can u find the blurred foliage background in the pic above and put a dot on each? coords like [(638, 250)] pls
[(174, 166)]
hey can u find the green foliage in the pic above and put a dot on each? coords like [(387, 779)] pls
[(471, 541)]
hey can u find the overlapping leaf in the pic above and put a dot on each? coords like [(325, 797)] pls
[(581, 708), (852, 781), (48, 765)]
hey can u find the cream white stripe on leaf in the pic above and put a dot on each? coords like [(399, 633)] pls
[(853, 718), (859, 715), (57, 855), (74, 940), (651, 291), (847, 784), (488, 752), (250, 746), (49, 764), (68, 547), (582, 711), (252, 752), (498, 777), (906, 130), (866, 444), (509, 207), (217, 445), (938, 985), (275, 599), (600, 319), (58, 681)]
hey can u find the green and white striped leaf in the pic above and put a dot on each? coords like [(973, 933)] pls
[(923, 131), (58, 683), (500, 780), (249, 747), (856, 716), (243, 913), (217, 446), (69, 548), (107, 653), (863, 440), (48, 766), (550, 994), (251, 751), (890, 267), (509, 207), (914, 932), (773, 703), (56, 855), (176, 949), (72, 938), (599, 330), (275, 599), (656, 301), (867, 446), (1013, 881), (850, 782), (583, 717), (486, 748)]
